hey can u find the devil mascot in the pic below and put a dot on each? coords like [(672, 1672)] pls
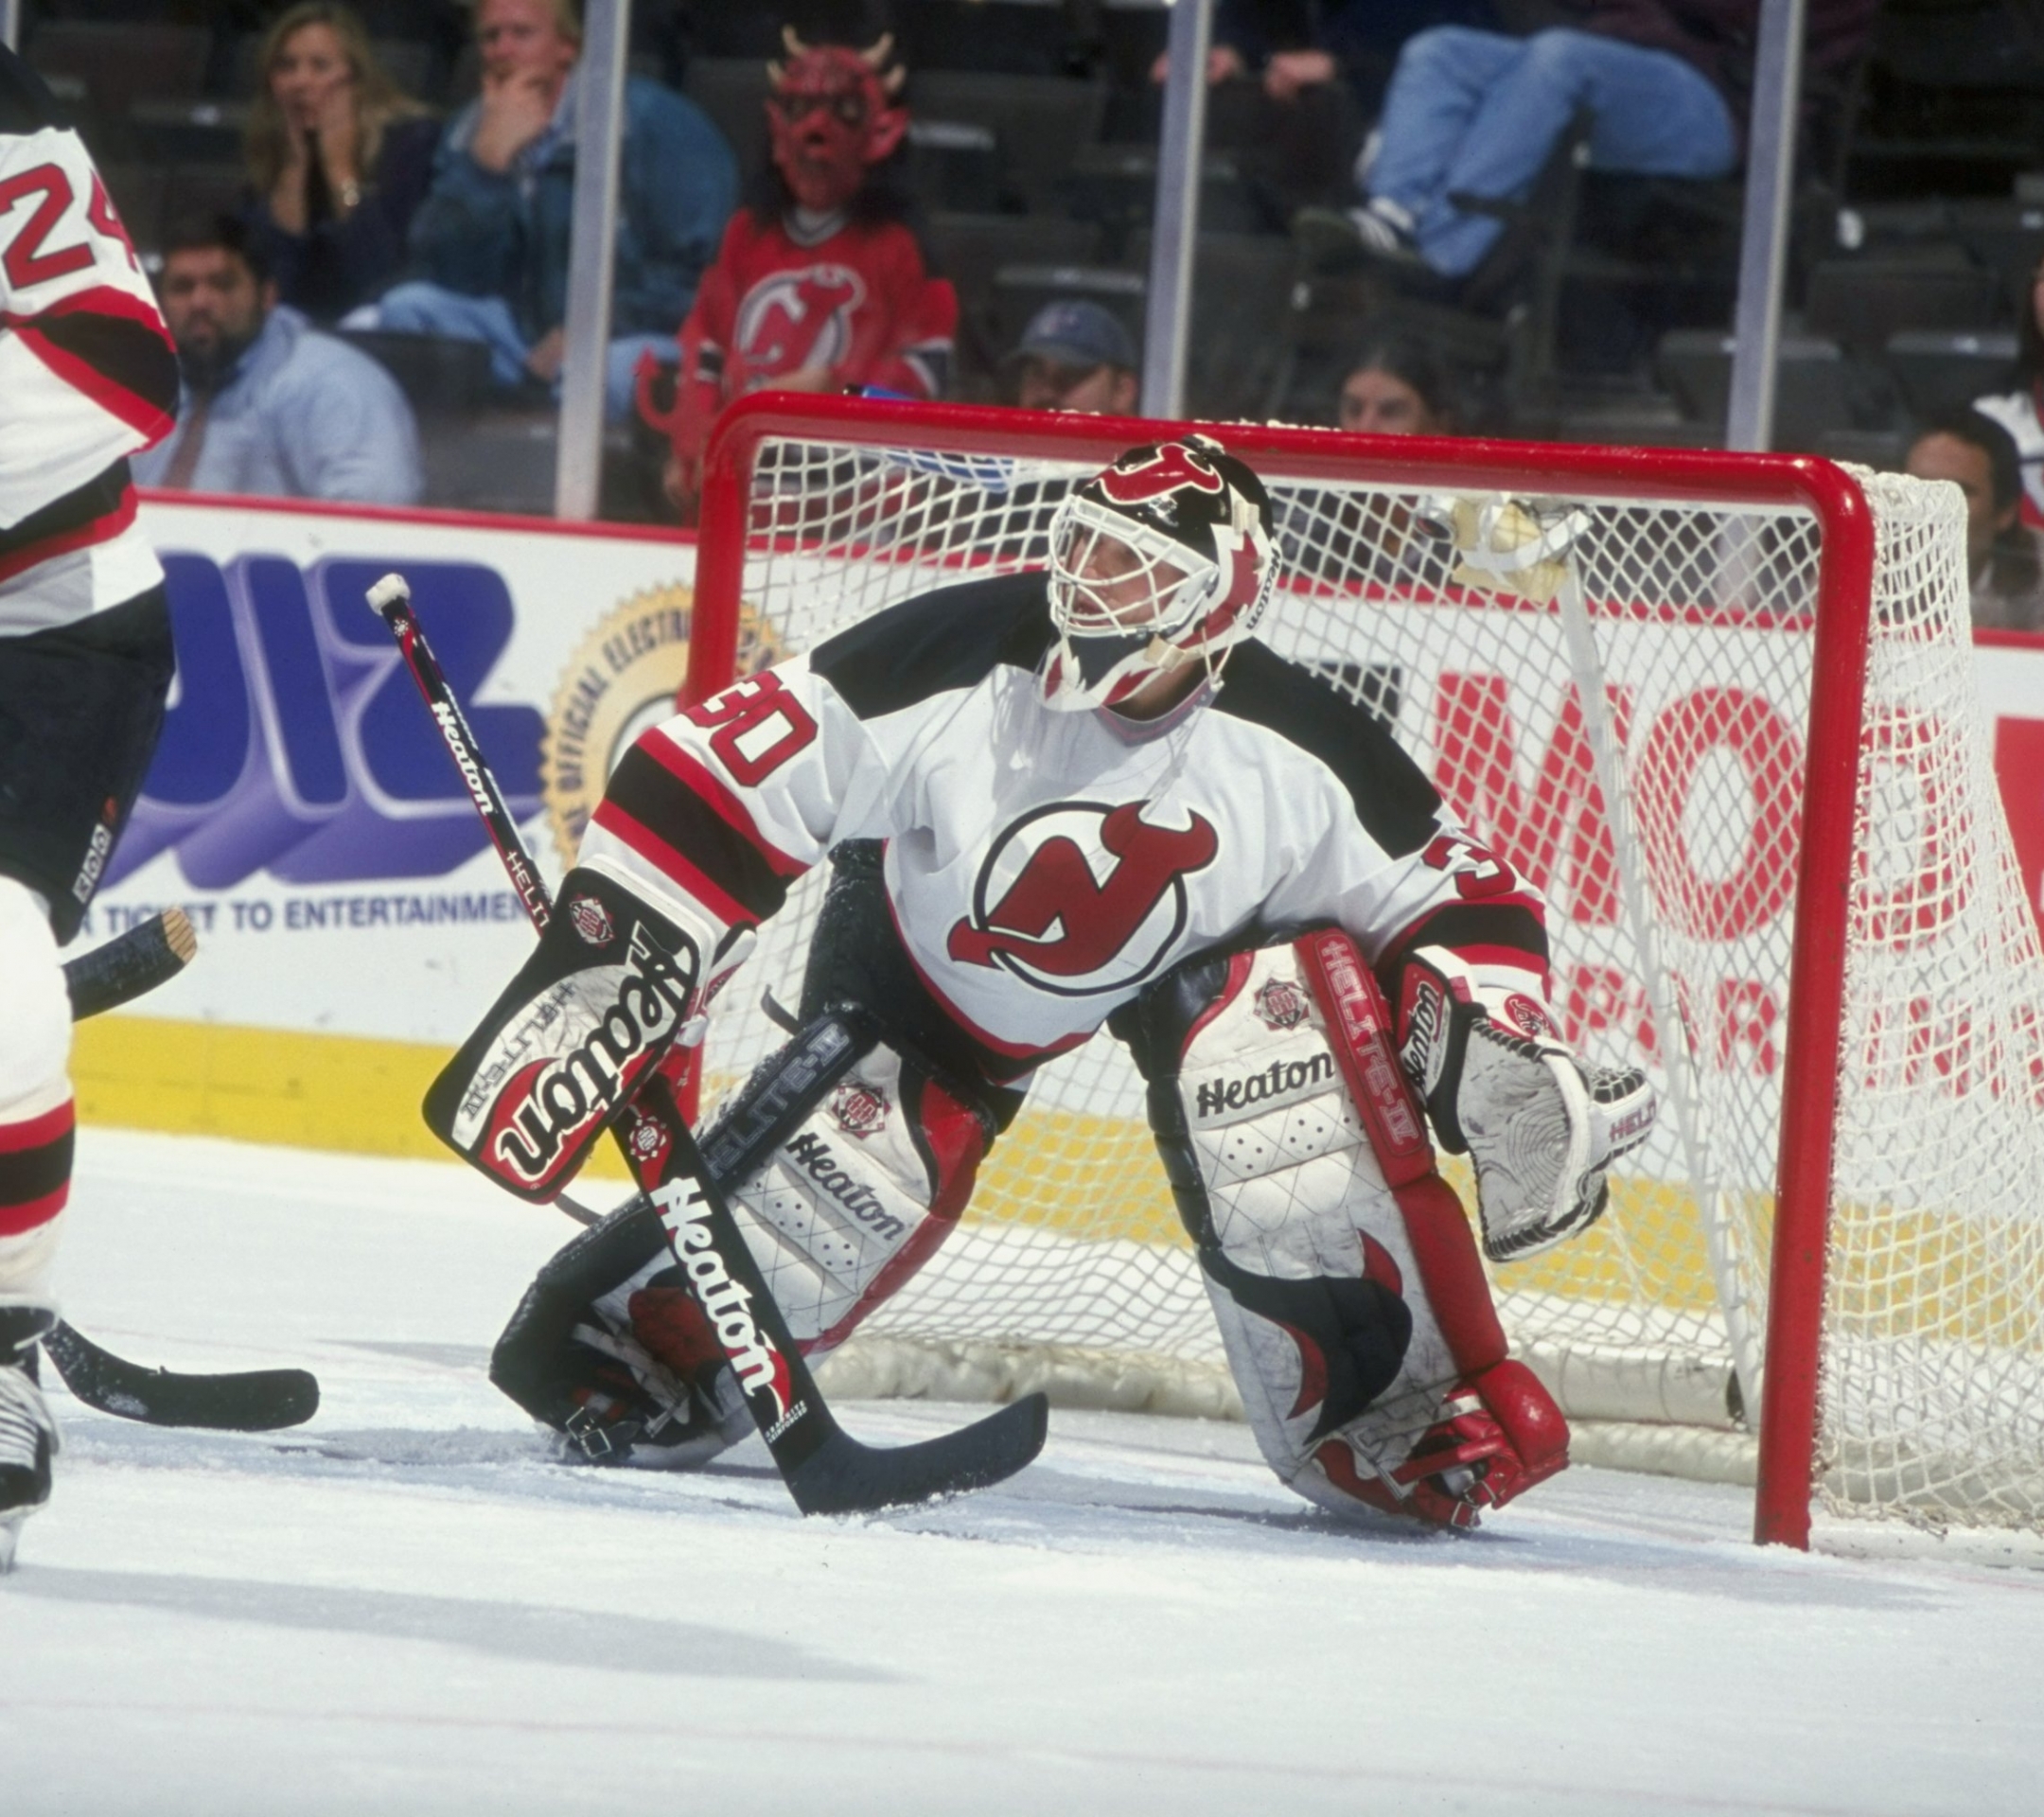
[(820, 284)]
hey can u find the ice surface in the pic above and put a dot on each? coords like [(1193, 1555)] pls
[(406, 1606)]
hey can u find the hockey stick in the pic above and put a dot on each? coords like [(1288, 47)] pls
[(234, 1401), (130, 964), (827, 1470), (238, 1400)]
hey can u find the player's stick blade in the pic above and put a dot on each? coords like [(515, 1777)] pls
[(242, 1400), (843, 1476)]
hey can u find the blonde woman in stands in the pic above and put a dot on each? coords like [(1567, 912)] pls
[(2016, 409), (339, 160)]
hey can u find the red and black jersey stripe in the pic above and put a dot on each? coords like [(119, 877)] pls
[(748, 878), (35, 1169), (1479, 932)]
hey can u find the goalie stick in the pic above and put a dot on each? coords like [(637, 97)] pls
[(826, 1470), (234, 1401)]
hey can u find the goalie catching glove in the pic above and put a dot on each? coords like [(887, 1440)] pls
[(1540, 1127), (612, 986)]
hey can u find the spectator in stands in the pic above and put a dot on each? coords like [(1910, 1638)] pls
[(339, 160), (1396, 387), (820, 284), (490, 242), (2005, 555), (1476, 113), (1319, 69), (1075, 354), (271, 406), (2018, 410)]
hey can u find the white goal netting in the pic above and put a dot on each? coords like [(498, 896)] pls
[(1672, 921)]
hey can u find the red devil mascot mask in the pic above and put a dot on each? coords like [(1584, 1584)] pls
[(833, 116)]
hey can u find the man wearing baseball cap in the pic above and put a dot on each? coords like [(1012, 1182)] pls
[(1075, 354)]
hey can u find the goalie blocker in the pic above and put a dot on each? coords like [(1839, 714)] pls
[(611, 988)]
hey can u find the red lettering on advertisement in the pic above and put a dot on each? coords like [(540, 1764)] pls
[(1753, 890), (1919, 881), (1916, 1042), (1746, 1014), (2019, 769), (1595, 998), (1561, 837)]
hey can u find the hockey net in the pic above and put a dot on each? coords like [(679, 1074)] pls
[(1879, 995)]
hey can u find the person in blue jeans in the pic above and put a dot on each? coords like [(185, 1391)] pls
[(1664, 84), (488, 247)]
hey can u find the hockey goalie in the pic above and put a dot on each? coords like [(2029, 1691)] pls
[(1055, 801)]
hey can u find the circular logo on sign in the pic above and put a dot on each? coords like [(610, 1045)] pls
[(621, 679)]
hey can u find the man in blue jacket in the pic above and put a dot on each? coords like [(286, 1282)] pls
[(271, 406), (490, 241)]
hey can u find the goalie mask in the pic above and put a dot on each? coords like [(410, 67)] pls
[(1162, 559)]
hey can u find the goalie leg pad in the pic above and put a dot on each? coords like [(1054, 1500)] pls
[(868, 1162), (1353, 1311), (861, 1195), (608, 989)]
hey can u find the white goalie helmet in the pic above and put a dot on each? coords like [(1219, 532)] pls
[(1164, 558)]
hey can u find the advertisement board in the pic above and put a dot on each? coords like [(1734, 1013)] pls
[(353, 921)]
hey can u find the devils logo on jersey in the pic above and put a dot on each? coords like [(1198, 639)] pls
[(1078, 898), (792, 319)]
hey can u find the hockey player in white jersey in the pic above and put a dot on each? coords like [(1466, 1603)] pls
[(87, 378), (1053, 802)]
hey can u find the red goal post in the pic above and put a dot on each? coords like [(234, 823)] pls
[(816, 510)]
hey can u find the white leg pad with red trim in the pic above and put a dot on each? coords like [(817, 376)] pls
[(1344, 1277), (860, 1196)]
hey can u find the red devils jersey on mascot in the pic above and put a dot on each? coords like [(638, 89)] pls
[(819, 286)]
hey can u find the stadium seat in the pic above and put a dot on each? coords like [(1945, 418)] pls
[(1242, 293), (1952, 100), (1861, 302), (189, 131), (1041, 122), (970, 248), (1938, 371), (121, 63), (955, 164), (1116, 187), (1815, 393), (2008, 238)]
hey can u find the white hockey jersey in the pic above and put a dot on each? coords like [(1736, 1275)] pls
[(1042, 867), (87, 374)]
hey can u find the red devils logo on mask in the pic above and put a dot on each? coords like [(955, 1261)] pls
[(1169, 467), (1079, 897)]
